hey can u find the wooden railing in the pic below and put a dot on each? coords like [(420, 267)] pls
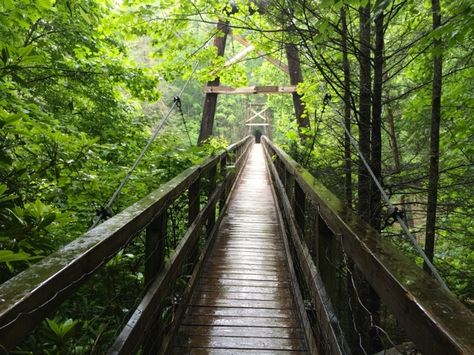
[(28, 298), (331, 246)]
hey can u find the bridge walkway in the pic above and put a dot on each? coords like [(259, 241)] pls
[(243, 301)]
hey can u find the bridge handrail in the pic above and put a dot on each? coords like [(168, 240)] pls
[(435, 320), (29, 297)]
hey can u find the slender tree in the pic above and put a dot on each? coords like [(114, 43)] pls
[(376, 126), (365, 78), (347, 111), (434, 135)]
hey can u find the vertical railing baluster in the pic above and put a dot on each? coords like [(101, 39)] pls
[(328, 258), (155, 244), (194, 200), (289, 187), (211, 221), (299, 210), (314, 242), (223, 173), (155, 247)]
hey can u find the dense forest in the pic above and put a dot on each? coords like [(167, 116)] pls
[(84, 84)]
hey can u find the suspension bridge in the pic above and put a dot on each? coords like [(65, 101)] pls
[(273, 263)]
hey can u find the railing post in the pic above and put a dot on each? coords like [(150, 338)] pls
[(300, 200), (194, 200), (281, 171), (289, 187), (327, 258), (155, 247), (211, 221), (223, 173), (155, 243), (314, 239), (194, 194)]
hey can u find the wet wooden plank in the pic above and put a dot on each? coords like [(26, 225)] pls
[(240, 312), (284, 296), (217, 283), (225, 301), (251, 246), (217, 351), (245, 276), (241, 321), (238, 288), (242, 343), (243, 301), (266, 332), (266, 255)]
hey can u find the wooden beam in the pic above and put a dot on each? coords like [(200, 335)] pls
[(210, 101), (239, 56), (435, 320), (31, 296), (257, 124), (296, 77), (226, 90), (280, 65), (256, 114)]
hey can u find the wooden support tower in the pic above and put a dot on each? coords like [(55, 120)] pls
[(213, 88)]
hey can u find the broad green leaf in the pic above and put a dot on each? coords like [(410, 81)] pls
[(44, 4)]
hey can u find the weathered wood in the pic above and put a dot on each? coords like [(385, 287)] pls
[(147, 311), (330, 339), (299, 207), (155, 247), (226, 90), (301, 307), (211, 187), (328, 258), (132, 335), (154, 262), (241, 284), (194, 202), (233, 342), (239, 56), (223, 174), (32, 295), (432, 317), (277, 63), (210, 100), (296, 77)]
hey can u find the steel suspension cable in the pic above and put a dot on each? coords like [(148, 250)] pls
[(103, 212)]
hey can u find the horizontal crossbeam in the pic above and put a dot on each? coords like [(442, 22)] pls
[(227, 90)]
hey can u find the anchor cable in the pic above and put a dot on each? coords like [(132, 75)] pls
[(106, 210), (392, 209)]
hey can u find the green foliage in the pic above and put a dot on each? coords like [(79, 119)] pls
[(79, 84)]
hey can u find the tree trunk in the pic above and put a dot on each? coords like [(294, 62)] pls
[(296, 77), (392, 133), (434, 136), (376, 143), (364, 112), (347, 113), (210, 101)]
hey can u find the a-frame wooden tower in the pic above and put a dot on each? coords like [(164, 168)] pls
[(213, 88)]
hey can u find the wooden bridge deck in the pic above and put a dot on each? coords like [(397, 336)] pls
[(243, 301)]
